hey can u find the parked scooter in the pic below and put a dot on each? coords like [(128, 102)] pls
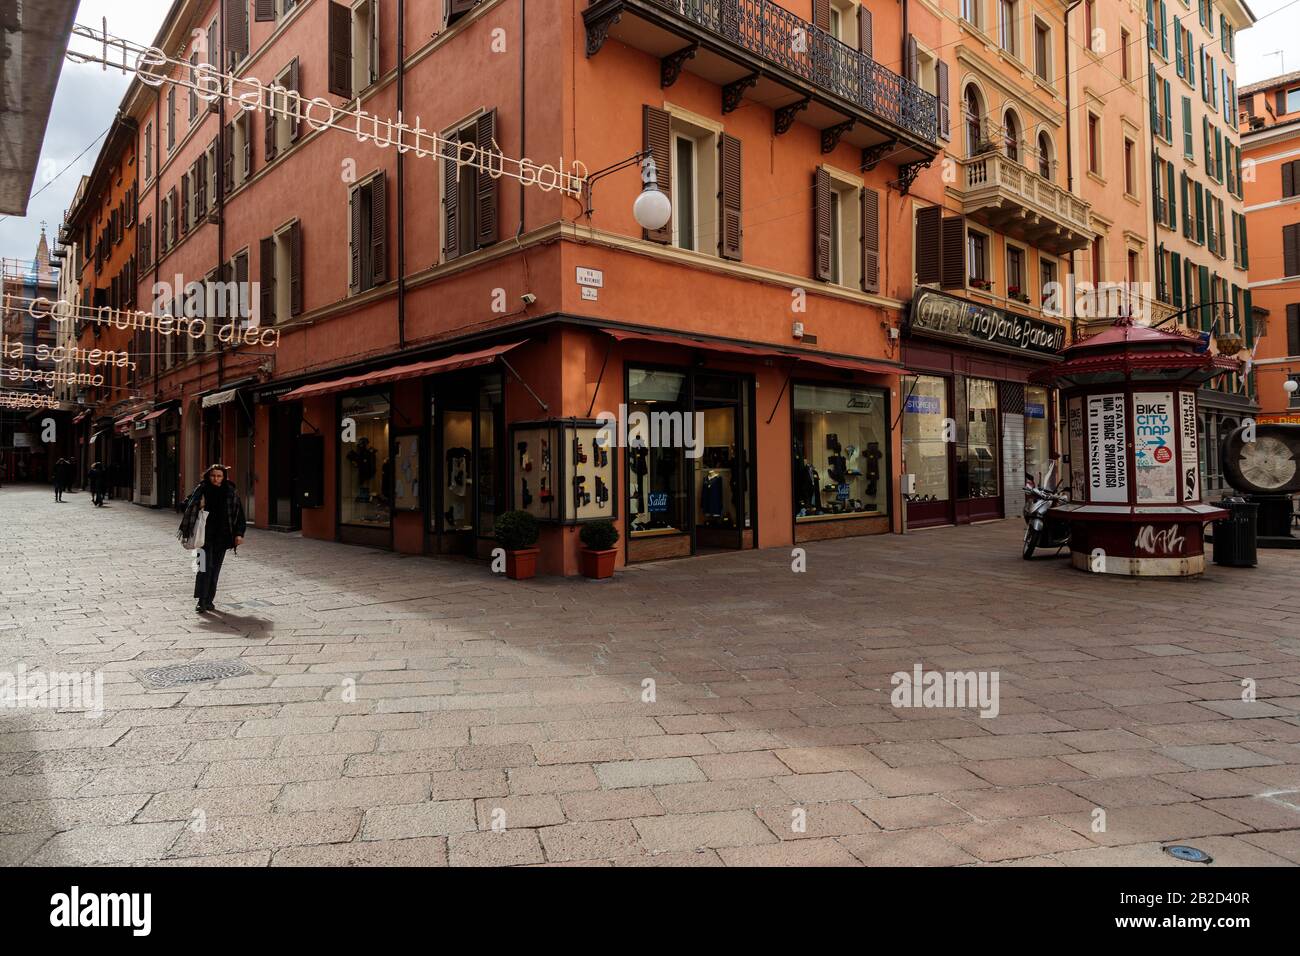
[(1042, 531)]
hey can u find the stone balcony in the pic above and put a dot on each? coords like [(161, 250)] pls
[(1014, 200)]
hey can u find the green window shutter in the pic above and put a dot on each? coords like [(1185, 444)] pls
[(1218, 154), (1204, 297), (1176, 274), (1200, 214), (1205, 138), (1245, 253), (1188, 147), (1191, 60), (1187, 209), (1178, 49), (1164, 31), (1248, 317), (1151, 18), (1155, 102), (1169, 119), (1173, 209)]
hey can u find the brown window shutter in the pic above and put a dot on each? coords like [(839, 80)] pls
[(379, 229), (267, 279), (911, 58), (822, 225), (870, 240), (451, 201), (945, 111), (295, 269), (340, 51), (486, 192), (248, 147), (822, 14), (457, 9), (1293, 330), (1291, 250), (173, 230), (228, 158), (929, 248), (201, 189), (866, 42), (954, 252), (295, 84), (269, 129), (263, 10), (374, 40), (236, 27), (730, 246), (354, 240), (1290, 180), (656, 138), (185, 203), (241, 277)]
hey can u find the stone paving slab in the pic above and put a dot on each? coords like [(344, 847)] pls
[(416, 711)]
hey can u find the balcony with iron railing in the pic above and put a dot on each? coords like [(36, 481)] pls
[(1007, 196), (759, 49)]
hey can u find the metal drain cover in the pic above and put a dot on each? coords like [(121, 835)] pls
[(1189, 854), (195, 672)]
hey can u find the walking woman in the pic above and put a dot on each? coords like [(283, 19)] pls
[(224, 530)]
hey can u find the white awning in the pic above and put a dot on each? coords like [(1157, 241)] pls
[(220, 398)]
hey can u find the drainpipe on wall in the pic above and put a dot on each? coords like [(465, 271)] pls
[(401, 178), (219, 161), (1069, 151), (523, 112)]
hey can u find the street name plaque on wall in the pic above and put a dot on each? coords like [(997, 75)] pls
[(956, 320)]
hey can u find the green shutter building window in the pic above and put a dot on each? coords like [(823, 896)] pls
[(1176, 274)]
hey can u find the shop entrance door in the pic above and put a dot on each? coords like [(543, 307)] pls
[(284, 511), (721, 472), (167, 466), (977, 449)]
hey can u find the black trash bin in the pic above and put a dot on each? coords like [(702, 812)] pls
[(1235, 544)]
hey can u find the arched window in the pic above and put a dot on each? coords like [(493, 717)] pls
[(974, 110), (1044, 155), (1011, 130)]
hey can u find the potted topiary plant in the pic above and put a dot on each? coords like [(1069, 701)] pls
[(598, 552), (516, 531)]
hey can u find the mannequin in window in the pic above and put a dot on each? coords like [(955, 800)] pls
[(363, 460)]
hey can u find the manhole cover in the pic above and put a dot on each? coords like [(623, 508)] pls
[(195, 672), (1189, 854)]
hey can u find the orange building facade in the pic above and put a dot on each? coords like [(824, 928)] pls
[(103, 222), (1269, 114)]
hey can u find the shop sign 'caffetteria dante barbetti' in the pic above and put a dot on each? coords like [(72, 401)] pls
[(946, 317)]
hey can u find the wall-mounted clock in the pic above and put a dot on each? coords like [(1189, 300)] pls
[(1269, 465)]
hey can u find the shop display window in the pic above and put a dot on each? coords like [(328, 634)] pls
[(490, 414), (977, 448), (841, 444), (366, 482), (657, 488), (457, 470), (925, 450), (406, 472), (1038, 445), (563, 469)]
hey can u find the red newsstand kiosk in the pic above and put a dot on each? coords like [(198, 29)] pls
[(1129, 404)]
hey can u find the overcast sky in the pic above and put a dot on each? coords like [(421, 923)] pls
[(88, 97), (84, 106)]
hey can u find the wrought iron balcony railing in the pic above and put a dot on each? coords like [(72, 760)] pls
[(774, 34)]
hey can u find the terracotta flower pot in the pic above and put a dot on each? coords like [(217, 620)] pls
[(597, 564), (522, 565)]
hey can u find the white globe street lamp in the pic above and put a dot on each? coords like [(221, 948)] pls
[(1290, 385), (652, 208)]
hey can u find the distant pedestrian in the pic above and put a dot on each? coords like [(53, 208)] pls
[(62, 478), (224, 530), (98, 481)]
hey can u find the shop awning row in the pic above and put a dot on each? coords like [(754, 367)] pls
[(754, 351), (449, 363), (160, 411)]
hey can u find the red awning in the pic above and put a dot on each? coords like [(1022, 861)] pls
[(82, 417), (757, 351), (156, 413), (449, 363), (127, 419)]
